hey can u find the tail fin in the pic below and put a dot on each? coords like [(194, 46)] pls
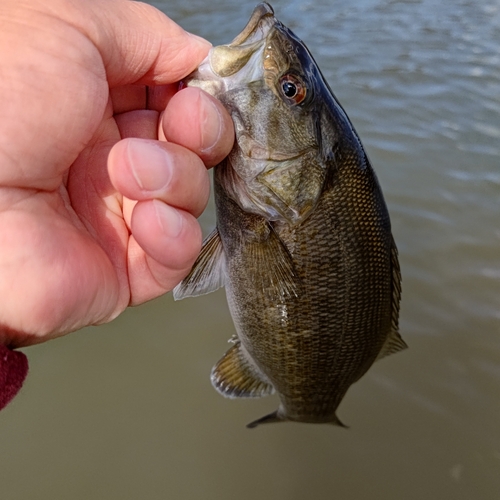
[(336, 421), (277, 416), (268, 419)]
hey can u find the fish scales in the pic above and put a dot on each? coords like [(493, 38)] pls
[(319, 347), (303, 242)]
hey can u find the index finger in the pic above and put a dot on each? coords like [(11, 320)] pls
[(138, 43)]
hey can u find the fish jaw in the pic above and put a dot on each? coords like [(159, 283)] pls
[(261, 12), (241, 60)]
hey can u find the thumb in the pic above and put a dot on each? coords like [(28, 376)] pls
[(139, 44)]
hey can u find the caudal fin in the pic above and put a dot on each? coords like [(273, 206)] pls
[(268, 419), (277, 416), (336, 421)]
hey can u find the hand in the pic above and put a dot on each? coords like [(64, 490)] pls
[(99, 189)]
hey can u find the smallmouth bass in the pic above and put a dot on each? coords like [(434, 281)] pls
[(303, 242)]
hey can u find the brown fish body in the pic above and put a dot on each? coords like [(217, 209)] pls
[(303, 242)]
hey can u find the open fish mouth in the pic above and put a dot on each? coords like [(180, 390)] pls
[(226, 60), (244, 54), (262, 16)]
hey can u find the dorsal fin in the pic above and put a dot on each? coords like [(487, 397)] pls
[(207, 273), (394, 342), (234, 376)]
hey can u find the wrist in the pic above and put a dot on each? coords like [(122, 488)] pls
[(13, 371)]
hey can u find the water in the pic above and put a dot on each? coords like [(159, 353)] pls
[(126, 411)]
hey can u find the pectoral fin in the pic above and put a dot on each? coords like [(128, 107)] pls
[(277, 277), (207, 273), (234, 376)]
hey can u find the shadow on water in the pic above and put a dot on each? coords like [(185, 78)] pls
[(126, 410)]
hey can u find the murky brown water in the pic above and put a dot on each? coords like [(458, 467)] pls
[(126, 411)]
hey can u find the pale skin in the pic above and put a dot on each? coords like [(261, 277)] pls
[(100, 181)]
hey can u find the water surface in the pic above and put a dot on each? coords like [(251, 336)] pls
[(126, 411)]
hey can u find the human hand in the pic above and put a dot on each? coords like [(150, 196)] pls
[(79, 145)]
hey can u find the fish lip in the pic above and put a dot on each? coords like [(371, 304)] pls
[(260, 15), (226, 60)]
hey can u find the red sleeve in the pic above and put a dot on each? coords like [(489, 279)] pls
[(13, 371)]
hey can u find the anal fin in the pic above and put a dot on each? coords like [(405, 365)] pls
[(234, 376)]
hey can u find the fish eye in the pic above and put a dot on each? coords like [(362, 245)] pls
[(293, 89), (289, 89)]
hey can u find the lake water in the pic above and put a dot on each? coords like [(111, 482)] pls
[(126, 411)]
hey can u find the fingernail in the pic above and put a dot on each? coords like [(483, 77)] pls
[(211, 124), (150, 164), (169, 218)]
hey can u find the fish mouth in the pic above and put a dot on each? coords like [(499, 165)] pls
[(263, 13), (243, 55), (226, 60)]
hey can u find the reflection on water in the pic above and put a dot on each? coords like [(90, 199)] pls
[(127, 411)]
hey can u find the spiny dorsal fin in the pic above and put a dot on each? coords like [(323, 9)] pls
[(236, 377), (207, 273), (394, 342)]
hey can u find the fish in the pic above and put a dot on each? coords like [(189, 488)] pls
[(303, 242)]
